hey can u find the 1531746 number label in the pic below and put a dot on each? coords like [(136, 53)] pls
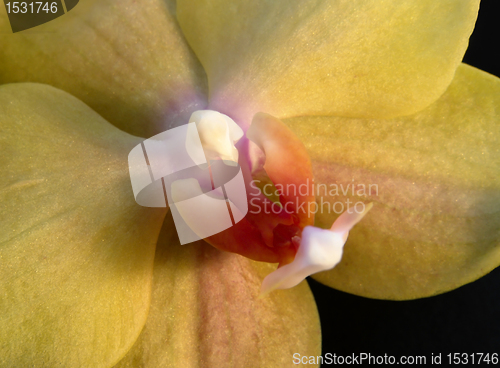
[(28, 14), (473, 358), (32, 7)]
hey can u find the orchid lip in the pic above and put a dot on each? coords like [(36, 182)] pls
[(319, 250), (279, 236)]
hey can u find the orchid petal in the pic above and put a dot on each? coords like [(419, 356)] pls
[(214, 318), (435, 220), (76, 251), (359, 58), (127, 60)]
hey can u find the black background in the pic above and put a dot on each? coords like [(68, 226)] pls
[(464, 320)]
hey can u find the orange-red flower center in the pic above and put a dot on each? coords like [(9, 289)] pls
[(271, 155)]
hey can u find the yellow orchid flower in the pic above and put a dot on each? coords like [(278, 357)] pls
[(373, 89)]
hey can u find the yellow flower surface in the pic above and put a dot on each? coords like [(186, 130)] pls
[(374, 90)]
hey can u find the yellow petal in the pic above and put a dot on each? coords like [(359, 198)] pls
[(128, 61), (76, 251), (205, 312), (435, 220), (361, 58)]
